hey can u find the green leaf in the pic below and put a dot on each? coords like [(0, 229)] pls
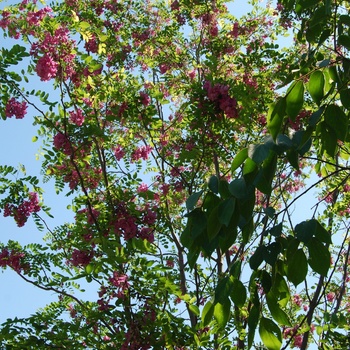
[(316, 86), (259, 152), (194, 308), (337, 120), (238, 293), (263, 181), (226, 210), (345, 98), (222, 313), (270, 334), (257, 258), (275, 117), (192, 200), (207, 313), (319, 256), (280, 289), (239, 159), (328, 139), (276, 312), (312, 228), (294, 99), (214, 184), (344, 40), (297, 267), (214, 224), (253, 320), (223, 290)]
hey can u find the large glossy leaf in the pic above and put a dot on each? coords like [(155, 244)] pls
[(222, 313), (294, 99), (226, 210), (316, 86), (213, 184), (214, 224), (253, 320), (337, 120), (270, 334), (319, 256), (275, 117), (328, 138), (192, 200), (259, 152), (263, 181), (257, 258), (238, 293), (345, 98), (239, 159), (312, 228), (297, 267), (277, 313), (223, 289), (344, 40), (207, 313)]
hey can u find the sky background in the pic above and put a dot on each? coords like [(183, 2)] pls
[(17, 298)]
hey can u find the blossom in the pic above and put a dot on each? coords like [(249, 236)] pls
[(60, 141), (119, 152), (13, 259), (46, 68), (120, 281), (145, 99), (81, 257), (330, 297), (142, 188), (298, 340), (76, 117), (22, 211), (15, 108)]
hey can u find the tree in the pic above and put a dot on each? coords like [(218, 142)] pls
[(183, 137)]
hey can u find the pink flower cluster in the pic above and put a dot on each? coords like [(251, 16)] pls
[(76, 117), (15, 108), (145, 99), (120, 281), (219, 95), (21, 212), (58, 55), (35, 17), (141, 153), (126, 225), (12, 259), (119, 153), (81, 257), (60, 141)]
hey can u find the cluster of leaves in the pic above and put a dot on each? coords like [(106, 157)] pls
[(183, 137)]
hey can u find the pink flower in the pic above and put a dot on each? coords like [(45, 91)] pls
[(297, 300), (13, 259), (141, 152), (81, 257), (142, 188), (163, 67), (298, 340), (145, 99), (46, 68), (119, 153), (330, 297), (60, 141), (15, 108), (170, 263), (76, 117)]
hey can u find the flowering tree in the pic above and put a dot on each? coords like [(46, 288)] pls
[(168, 128)]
